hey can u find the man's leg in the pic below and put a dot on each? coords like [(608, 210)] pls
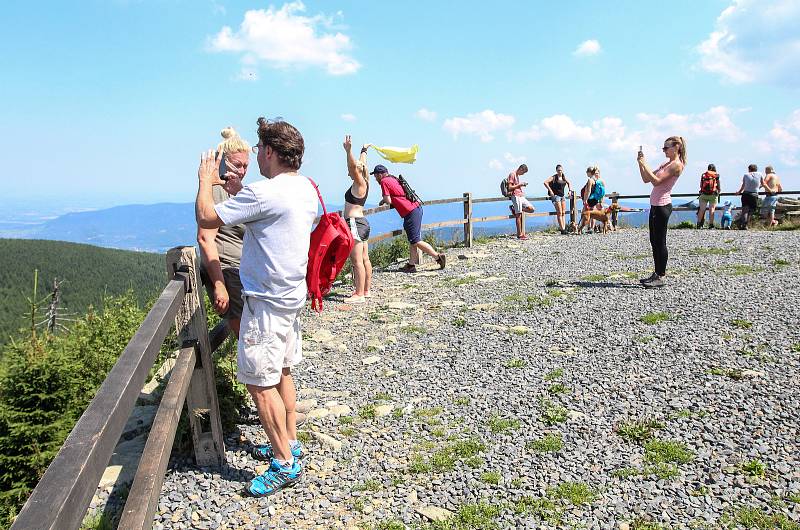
[(272, 413), (286, 390), (701, 213), (424, 247)]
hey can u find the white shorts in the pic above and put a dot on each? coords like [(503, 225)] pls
[(269, 341), (519, 202)]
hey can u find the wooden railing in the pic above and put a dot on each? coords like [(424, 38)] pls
[(468, 220), (61, 499)]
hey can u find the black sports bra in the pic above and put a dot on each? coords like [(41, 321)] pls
[(352, 199)]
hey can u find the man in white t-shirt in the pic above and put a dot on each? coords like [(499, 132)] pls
[(277, 213)]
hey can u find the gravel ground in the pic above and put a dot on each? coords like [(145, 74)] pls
[(465, 369)]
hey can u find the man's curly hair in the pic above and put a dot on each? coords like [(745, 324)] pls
[(284, 139)]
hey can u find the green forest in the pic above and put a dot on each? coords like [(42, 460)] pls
[(86, 274)]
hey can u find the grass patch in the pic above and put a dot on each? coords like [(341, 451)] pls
[(741, 323), (683, 225), (655, 318), (558, 388), (757, 518), (474, 461), (595, 277), (461, 400), (625, 472), (644, 339), (413, 329), (392, 524), (712, 251), (465, 280), (347, 431), (754, 468), (549, 443), (553, 413), (346, 420), (639, 523), (438, 432), (445, 458), (398, 413), (460, 322), (367, 412), (383, 396), (428, 413), (661, 470), (781, 262), (554, 374), (733, 373), (304, 437), (368, 485), (740, 269), (530, 302), (491, 477), (515, 363), (552, 283), (638, 431), (542, 508), (795, 348), (498, 424), (667, 451), (576, 493), (480, 516)]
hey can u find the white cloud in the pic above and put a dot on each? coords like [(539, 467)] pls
[(425, 114), (784, 138), (516, 160), (587, 48), (495, 164), (348, 117), (481, 124), (717, 122), (283, 38), (755, 40)]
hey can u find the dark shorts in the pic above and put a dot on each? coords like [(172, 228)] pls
[(233, 284), (359, 227), (412, 224), (750, 200), (592, 202)]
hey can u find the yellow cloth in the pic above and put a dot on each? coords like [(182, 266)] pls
[(405, 155)]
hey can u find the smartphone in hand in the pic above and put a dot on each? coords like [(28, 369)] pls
[(223, 169)]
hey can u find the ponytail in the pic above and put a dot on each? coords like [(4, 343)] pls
[(681, 144)]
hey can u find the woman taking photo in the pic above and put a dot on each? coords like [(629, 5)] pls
[(662, 179), (556, 186), (354, 199)]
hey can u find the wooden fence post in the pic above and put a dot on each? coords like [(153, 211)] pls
[(572, 208), (468, 219), (614, 210), (201, 399)]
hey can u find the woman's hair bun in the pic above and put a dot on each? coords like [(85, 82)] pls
[(228, 132)]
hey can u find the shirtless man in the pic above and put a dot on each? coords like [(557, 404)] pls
[(772, 185)]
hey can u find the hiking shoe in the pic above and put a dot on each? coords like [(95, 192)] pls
[(408, 268), (442, 261), (355, 299), (655, 284), (264, 452), (275, 478), (649, 279)]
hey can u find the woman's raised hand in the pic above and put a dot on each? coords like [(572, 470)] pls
[(348, 144), (209, 167)]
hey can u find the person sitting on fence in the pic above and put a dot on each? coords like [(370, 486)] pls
[(727, 218), (751, 181), (772, 185), (221, 248), (709, 194), (278, 213), (556, 186), (519, 203), (410, 209), (354, 199)]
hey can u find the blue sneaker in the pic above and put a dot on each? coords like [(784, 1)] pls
[(266, 454), (275, 478)]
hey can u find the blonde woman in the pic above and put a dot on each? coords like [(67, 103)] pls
[(354, 200), (663, 179), (221, 248)]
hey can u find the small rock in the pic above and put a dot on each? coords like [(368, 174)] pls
[(318, 413), (328, 441), (366, 361), (434, 513), (383, 410), (340, 410)]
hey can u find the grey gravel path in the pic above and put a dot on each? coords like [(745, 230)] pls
[(481, 351)]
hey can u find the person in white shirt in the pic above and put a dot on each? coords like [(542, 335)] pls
[(277, 213)]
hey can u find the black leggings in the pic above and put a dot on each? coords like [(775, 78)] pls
[(659, 217)]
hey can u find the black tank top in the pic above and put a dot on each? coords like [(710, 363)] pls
[(558, 185), (352, 199)]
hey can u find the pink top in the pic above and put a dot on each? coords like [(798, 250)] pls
[(660, 196), (514, 179), (391, 186)]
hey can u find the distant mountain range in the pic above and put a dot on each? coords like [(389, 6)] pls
[(159, 227)]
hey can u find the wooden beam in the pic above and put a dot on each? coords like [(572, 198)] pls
[(468, 219), (191, 325), (60, 500), (142, 502)]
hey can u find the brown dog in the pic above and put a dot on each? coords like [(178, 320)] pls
[(602, 216)]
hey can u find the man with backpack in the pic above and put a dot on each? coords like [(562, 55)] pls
[(709, 194), (519, 203), (277, 213), (398, 194)]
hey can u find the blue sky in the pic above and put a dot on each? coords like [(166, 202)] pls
[(111, 102)]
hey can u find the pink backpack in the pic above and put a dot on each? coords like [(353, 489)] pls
[(331, 243)]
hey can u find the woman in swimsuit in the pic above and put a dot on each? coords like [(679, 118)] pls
[(354, 199), (556, 186), (663, 179)]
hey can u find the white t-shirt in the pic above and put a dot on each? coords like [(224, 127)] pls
[(277, 214)]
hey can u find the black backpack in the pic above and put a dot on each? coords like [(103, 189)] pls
[(411, 195)]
